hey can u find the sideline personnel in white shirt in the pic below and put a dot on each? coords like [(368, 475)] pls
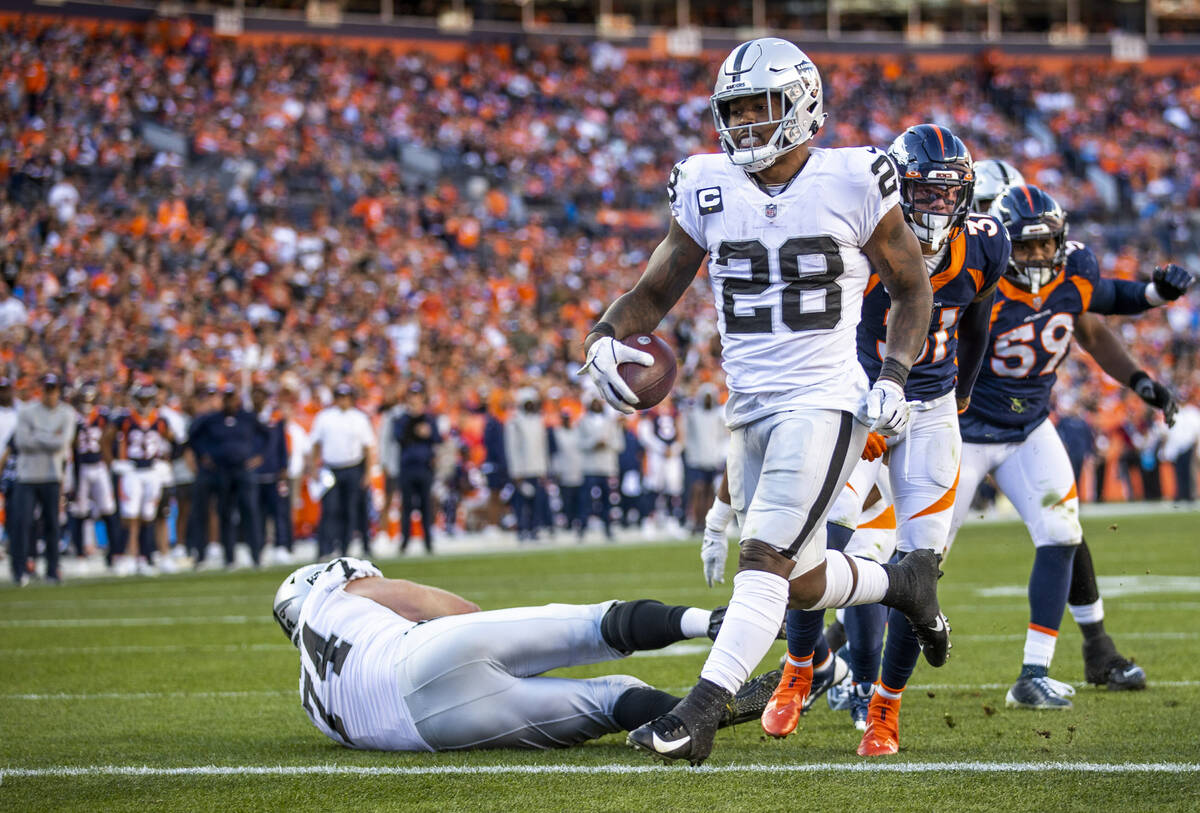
[(343, 442)]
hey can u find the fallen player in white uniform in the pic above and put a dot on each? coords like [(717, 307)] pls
[(392, 665)]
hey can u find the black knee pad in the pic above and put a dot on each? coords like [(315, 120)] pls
[(629, 626)]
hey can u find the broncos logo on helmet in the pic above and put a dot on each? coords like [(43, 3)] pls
[(937, 182), (788, 78), (1037, 226)]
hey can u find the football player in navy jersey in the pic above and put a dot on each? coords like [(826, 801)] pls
[(1051, 291), (1103, 664), (965, 256), (94, 493)]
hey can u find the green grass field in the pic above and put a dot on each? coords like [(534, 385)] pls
[(103, 679)]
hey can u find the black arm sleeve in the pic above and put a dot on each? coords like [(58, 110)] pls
[(1118, 297), (972, 343)]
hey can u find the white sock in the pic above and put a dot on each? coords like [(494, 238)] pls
[(1039, 647), (842, 589), (751, 623), (717, 518), (694, 623), (840, 615), (1087, 613)]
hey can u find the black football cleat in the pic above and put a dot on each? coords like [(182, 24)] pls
[(835, 635), (1104, 666), (912, 589), (686, 731), (751, 699)]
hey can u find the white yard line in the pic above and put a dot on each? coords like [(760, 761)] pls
[(475, 770), (150, 621)]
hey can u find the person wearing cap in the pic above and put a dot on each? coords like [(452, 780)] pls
[(201, 524), (342, 442), (527, 449), (228, 446), (418, 435), (42, 436), (271, 477)]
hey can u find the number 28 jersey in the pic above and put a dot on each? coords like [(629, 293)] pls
[(1030, 336), (787, 272)]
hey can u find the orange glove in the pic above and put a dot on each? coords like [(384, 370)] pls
[(876, 445)]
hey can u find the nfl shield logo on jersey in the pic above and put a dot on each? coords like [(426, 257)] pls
[(772, 210)]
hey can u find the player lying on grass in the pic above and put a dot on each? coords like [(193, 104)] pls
[(392, 665)]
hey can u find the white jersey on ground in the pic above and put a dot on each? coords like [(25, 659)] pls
[(349, 664), (788, 273)]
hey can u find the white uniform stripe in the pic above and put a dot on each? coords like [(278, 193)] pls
[(873, 767)]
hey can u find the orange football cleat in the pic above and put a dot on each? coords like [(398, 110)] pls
[(882, 737), (782, 713)]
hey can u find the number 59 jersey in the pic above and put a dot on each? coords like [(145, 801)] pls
[(1030, 336), (787, 272)]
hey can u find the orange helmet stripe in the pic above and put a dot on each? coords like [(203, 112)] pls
[(941, 140), (1028, 197)]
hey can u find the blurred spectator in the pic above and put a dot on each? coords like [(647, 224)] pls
[(705, 439), (602, 438), (229, 445), (1078, 439), (342, 442), (418, 435), (389, 453), (42, 437), (527, 446), (274, 502), (495, 466), (658, 433), (567, 467), (1179, 449)]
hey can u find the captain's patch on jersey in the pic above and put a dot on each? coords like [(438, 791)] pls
[(709, 200)]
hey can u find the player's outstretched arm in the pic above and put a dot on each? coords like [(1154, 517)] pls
[(669, 272), (1125, 297), (416, 602), (1106, 348)]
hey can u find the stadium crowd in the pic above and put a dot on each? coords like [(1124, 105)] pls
[(197, 212)]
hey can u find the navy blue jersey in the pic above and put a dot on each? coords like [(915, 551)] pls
[(89, 432), (144, 439), (1030, 337), (976, 260)]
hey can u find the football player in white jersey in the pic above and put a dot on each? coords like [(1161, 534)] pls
[(392, 665), (793, 234)]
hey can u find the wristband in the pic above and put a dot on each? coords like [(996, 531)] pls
[(604, 329), (894, 370), (1137, 378)]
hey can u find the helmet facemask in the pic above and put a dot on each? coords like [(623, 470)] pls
[(936, 209), (1033, 275)]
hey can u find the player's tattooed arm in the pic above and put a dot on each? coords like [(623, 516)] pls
[(896, 257), (669, 272), (416, 602)]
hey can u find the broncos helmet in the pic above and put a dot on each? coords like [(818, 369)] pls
[(937, 182), (795, 104), (290, 596), (992, 177), (1031, 214)]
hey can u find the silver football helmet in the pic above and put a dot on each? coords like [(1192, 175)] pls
[(992, 177), (792, 86), (290, 597)]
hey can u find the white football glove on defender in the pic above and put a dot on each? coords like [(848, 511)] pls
[(603, 359), (886, 409)]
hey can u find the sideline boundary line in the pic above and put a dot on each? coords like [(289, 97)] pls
[(616, 770)]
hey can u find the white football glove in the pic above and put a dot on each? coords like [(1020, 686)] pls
[(886, 410), (713, 551), (602, 360)]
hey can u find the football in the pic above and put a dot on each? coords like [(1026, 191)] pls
[(650, 384)]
